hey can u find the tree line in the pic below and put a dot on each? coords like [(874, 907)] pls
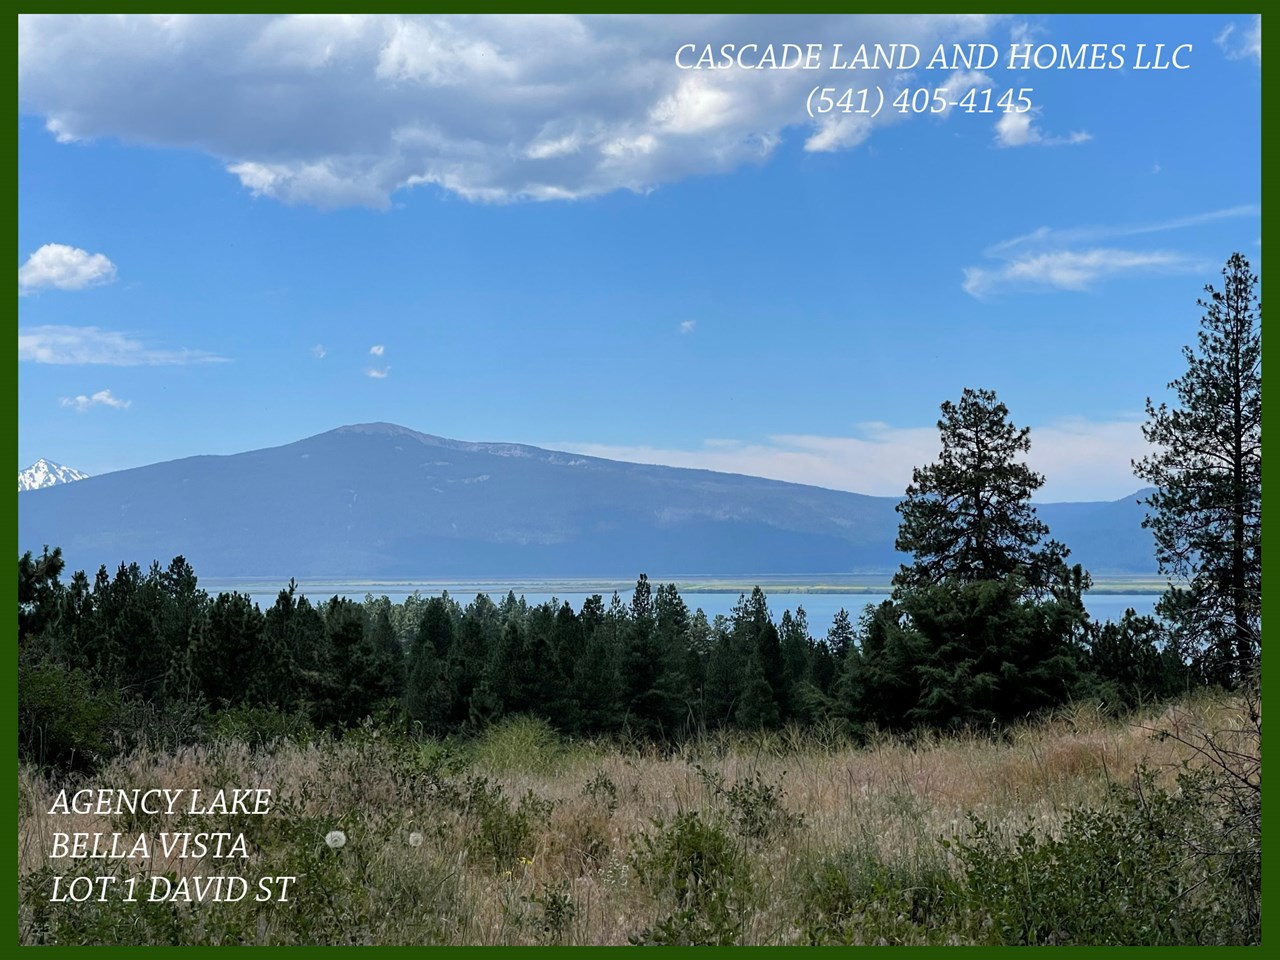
[(986, 624)]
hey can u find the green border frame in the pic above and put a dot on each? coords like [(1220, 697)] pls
[(8, 682)]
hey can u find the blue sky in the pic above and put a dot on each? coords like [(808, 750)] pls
[(238, 232)]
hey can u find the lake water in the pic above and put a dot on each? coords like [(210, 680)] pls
[(819, 607)]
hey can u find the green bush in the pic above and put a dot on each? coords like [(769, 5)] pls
[(500, 831), (855, 896), (63, 721), (754, 807), (695, 869), (519, 743), (602, 791), (1149, 868), (558, 912)]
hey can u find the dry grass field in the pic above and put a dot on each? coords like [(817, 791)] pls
[(797, 837)]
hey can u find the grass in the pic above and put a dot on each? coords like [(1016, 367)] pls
[(521, 837)]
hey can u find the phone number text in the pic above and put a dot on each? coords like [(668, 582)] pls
[(872, 100)]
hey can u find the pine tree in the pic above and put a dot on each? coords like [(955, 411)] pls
[(465, 665), (986, 624), (793, 635), (599, 671), (355, 665), (651, 699), (227, 649), (725, 673), (38, 590), (503, 672), (1206, 513), (757, 709), (542, 675), (426, 697), (840, 634), (968, 517), (671, 629), (388, 652), (276, 682)]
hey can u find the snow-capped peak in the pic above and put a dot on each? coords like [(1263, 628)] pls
[(46, 473)]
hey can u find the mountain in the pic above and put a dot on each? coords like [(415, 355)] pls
[(378, 500), (46, 473)]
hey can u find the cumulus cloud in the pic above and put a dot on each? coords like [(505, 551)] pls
[(377, 350), (92, 345), (60, 267), (1020, 130), (1242, 42), (103, 398), (318, 351), (1081, 459), (346, 110), (688, 326), (378, 374)]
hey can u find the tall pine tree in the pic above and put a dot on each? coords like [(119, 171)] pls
[(1206, 513), (968, 517)]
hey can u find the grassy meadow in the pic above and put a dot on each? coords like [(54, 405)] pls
[(1079, 828)]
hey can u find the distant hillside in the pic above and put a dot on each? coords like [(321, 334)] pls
[(378, 500)]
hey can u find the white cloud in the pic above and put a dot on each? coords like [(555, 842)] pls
[(318, 351), (839, 132), (1047, 238), (688, 326), (1015, 130), (104, 398), (1081, 459), (1071, 269), (1075, 258), (378, 374), (347, 110), (1020, 130), (1244, 43), (90, 345), (1024, 32), (60, 267), (377, 350)]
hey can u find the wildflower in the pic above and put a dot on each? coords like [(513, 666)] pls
[(526, 861), (415, 839), (336, 839)]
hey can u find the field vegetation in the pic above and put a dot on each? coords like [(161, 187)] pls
[(1081, 828)]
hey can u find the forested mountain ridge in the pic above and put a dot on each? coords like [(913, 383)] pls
[(382, 500)]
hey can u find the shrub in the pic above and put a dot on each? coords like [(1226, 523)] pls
[(558, 912), (502, 832), (696, 870), (63, 722), (519, 743), (1140, 870), (855, 896), (754, 807), (602, 791)]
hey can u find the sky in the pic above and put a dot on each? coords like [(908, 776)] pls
[(236, 232)]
